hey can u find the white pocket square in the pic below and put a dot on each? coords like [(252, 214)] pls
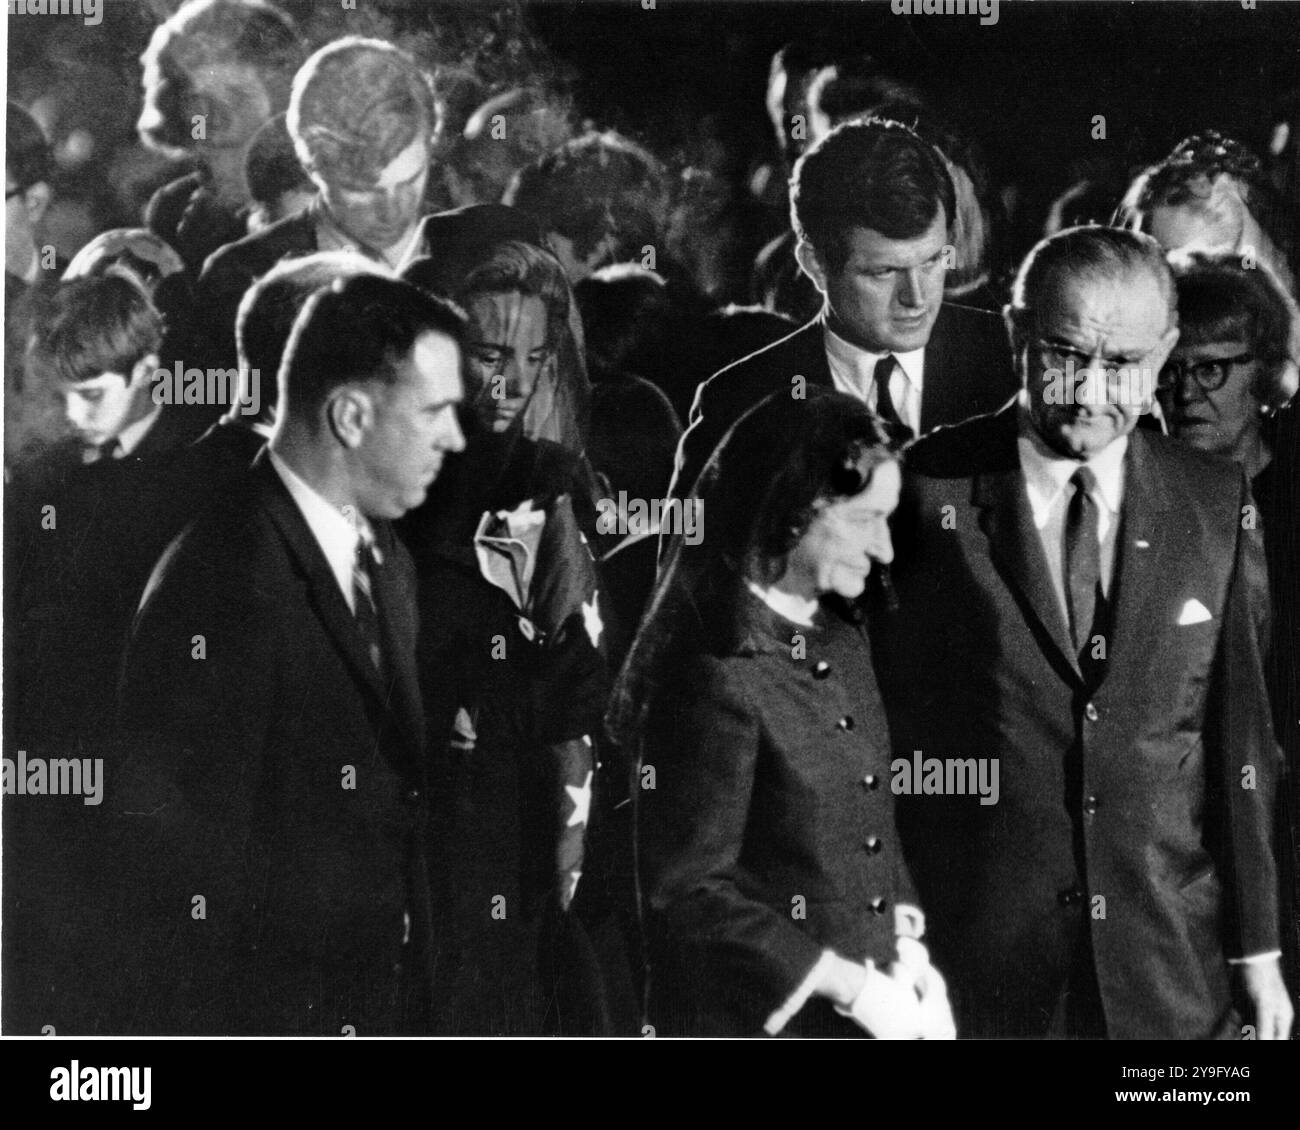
[(1194, 612)]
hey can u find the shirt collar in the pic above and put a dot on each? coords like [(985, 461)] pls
[(336, 534), (862, 363), (1047, 473), (130, 437), (331, 237)]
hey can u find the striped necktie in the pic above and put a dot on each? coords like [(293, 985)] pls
[(364, 569)]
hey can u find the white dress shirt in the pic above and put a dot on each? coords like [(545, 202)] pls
[(1047, 482), (853, 370), (335, 533)]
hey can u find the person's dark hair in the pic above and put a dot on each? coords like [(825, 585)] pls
[(874, 173), (1187, 177), (1088, 252), (271, 305), (92, 326), (271, 166), (625, 309), (758, 493), (857, 86), (28, 160), (634, 436), (1219, 299), (357, 330), (597, 185), (356, 105)]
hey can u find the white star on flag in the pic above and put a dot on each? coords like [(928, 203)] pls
[(591, 619), (581, 798)]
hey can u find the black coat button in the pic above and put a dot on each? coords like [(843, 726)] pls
[(878, 906), (413, 795), (845, 723), (871, 782), (1090, 713), (821, 669), (873, 844), (1072, 897)]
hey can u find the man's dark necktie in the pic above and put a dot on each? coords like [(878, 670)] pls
[(363, 573), (104, 452), (885, 408), (1083, 564)]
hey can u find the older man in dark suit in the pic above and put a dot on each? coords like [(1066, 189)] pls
[(275, 801), (873, 207), (1083, 602)]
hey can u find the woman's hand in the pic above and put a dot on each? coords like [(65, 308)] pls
[(884, 1004)]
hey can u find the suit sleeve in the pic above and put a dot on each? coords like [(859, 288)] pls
[(692, 828), (1245, 752)]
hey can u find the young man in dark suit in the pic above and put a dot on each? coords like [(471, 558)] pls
[(1084, 602), (275, 801), (369, 160), (873, 208)]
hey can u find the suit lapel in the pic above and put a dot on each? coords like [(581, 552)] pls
[(1145, 552), (323, 589), (1016, 546), (934, 384)]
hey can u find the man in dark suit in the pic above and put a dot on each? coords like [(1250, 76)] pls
[(873, 208), (1081, 604), (369, 160), (275, 802)]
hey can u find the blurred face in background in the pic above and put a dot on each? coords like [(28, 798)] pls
[(24, 208), (508, 350)]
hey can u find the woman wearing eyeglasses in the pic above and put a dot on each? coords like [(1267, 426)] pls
[(1227, 389), (1230, 375)]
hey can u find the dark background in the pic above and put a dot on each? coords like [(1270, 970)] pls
[(688, 77)]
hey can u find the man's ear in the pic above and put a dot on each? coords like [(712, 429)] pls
[(37, 202), (810, 264), (1157, 358), (349, 414)]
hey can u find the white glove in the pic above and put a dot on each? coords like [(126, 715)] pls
[(887, 1006), (936, 1013)]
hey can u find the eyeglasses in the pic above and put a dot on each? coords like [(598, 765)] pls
[(1061, 356), (1210, 374)]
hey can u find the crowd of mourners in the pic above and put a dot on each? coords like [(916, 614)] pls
[(473, 628)]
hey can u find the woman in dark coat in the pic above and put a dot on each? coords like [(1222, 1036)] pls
[(775, 896)]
